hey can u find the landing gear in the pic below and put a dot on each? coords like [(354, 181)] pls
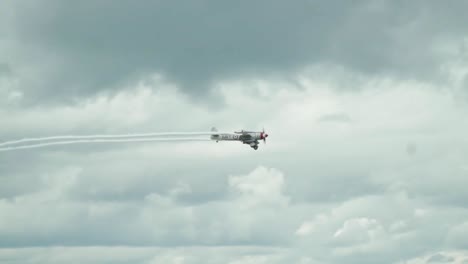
[(252, 144)]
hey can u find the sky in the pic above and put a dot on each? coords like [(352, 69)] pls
[(365, 103)]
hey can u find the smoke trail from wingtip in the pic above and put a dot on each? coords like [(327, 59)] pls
[(98, 141), (122, 136)]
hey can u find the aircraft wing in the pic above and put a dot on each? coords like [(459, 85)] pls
[(243, 132), (250, 141), (246, 138)]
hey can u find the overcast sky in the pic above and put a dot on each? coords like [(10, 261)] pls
[(365, 102)]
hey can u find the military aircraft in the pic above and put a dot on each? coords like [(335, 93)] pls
[(246, 137)]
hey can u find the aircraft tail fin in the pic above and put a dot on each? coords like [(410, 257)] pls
[(214, 136)]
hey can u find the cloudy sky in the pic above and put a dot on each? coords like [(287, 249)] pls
[(365, 102)]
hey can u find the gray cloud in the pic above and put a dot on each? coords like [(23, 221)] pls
[(165, 195), (67, 49), (357, 177), (439, 258), (4, 70)]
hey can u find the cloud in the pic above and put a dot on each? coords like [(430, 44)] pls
[(197, 224), (358, 229), (441, 257), (199, 202), (438, 258), (88, 48), (262, 187)]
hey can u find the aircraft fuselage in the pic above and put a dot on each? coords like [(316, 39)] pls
[(246, 137)]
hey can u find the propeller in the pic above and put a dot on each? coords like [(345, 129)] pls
[(264, 136)]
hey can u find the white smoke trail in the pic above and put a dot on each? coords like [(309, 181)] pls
[(76, 137), (99, 141)]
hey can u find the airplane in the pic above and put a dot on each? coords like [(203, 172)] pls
[(246, 137)]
